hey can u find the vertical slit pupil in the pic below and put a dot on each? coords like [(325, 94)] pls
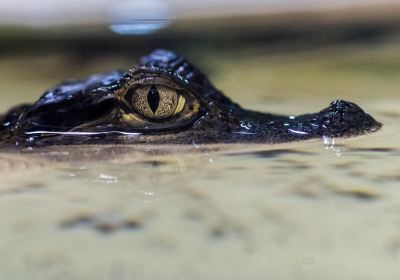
[(153, 98)]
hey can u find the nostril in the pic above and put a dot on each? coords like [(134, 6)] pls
[(341, 105), (346, 118)]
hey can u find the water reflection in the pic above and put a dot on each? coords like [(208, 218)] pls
[(139, 17), (146, 176)]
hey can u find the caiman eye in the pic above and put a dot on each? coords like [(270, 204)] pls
[(157, 102)]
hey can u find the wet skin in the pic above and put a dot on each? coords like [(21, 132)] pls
[(164, 100)]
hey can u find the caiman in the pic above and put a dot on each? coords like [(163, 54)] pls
[(164, 99)]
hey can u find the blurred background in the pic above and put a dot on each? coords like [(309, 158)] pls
[(265, 48)]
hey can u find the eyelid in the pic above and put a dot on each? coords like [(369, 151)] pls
[(157, 81)]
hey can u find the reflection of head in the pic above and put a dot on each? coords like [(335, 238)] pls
[(163, 175), (148, 174)]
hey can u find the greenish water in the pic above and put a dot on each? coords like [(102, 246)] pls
[(321, 209)]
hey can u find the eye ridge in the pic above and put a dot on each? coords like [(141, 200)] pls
[(153, 98)]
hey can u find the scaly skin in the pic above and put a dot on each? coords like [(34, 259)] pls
[(84, 112)]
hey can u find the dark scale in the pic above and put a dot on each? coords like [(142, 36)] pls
[(153, 98)]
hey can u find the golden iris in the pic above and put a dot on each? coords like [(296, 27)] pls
[(157, 102)]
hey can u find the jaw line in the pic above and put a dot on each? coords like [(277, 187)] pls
[(82, 133)]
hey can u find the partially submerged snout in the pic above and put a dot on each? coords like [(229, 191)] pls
[(340, 119)]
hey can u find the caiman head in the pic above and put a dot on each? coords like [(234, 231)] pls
[(164, 99)]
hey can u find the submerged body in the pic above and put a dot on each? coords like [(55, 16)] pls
[(164, 99)]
